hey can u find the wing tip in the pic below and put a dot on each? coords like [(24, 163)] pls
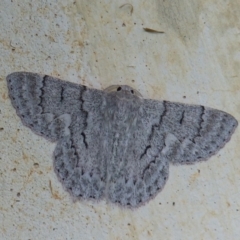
[(14, 74)]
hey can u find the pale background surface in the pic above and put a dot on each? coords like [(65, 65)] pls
[(98, 44)]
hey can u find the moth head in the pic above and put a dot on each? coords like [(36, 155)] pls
[(123, 90)]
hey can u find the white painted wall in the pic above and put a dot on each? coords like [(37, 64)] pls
[(100, 43)]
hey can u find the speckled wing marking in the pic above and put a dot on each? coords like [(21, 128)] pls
[(115, 144), (56, 110)]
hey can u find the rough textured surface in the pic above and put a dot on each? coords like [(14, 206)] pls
[(98, 44), (115, 145)]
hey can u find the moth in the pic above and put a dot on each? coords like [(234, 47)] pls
[(114, 144)]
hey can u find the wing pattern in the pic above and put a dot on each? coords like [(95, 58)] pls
[(115, 145)]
